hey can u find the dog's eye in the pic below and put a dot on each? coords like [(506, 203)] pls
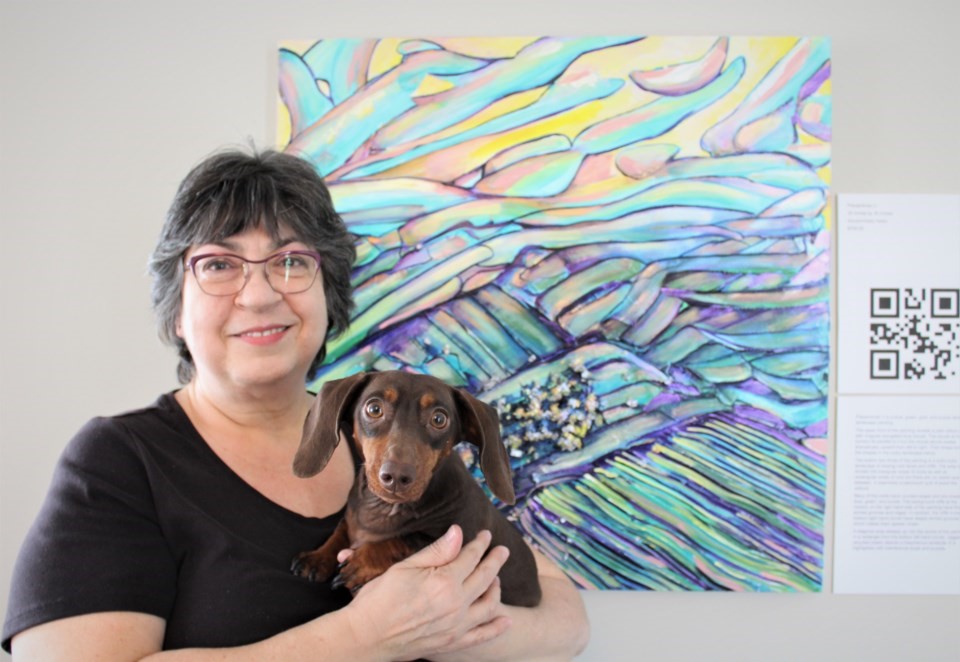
[(374, 409), (439, 419)]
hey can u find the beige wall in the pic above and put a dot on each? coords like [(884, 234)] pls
[(105, 105)]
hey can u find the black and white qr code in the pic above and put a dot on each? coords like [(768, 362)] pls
[(914, 333)]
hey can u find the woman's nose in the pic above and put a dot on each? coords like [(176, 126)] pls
[(257, 289)]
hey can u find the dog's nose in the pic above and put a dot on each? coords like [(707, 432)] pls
[(396, 476)]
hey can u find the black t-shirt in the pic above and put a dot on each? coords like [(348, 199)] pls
[(143, 516)]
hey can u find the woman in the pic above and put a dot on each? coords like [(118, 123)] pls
[(170, 530)]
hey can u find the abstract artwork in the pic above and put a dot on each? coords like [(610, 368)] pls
[(623, 244)]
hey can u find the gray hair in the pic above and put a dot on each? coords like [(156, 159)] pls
[(231, 192)]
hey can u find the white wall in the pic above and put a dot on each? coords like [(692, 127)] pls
[(104, 106)]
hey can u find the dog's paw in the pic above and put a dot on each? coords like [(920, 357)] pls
[(352, 575), (368, 562), (315, 566)]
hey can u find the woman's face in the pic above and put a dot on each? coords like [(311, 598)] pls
[(258, 336)]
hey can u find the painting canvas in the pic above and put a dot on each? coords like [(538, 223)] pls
[(623, 244)]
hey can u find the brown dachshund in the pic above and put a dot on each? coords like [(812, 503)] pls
[(411, 486)]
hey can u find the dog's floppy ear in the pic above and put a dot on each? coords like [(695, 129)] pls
[(481, 427), (321, 431)]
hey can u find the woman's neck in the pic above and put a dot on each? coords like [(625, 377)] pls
[(268, 410)]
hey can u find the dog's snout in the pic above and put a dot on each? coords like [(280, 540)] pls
[(396, 476)]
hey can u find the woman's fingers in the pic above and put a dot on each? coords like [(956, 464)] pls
[(484, 573), (487, 607), (465, 563), (440, 552), (450, 592), (486, 618)]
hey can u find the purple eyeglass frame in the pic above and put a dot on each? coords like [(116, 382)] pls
[(192, 263)]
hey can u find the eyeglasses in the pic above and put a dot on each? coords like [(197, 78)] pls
[(288, 272)]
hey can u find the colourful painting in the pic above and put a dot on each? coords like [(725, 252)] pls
[(623, 244)]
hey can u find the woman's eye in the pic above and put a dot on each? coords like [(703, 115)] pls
[(439, 419), (218, 264), (291, 262), (294, 267), (374, 409)]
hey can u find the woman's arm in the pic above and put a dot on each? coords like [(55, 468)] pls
[(445, 597), (100, 636)]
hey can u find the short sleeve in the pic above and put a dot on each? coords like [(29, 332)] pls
[(96, 544)]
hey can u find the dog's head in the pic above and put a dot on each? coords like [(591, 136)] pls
[(402, 425)]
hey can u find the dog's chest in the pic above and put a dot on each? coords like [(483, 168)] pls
[(371, 519)]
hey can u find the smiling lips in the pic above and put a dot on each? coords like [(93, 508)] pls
[(264, 335)]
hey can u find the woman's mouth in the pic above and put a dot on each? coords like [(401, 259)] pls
[(264, 335)]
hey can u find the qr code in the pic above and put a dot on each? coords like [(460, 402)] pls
[(914, 333)]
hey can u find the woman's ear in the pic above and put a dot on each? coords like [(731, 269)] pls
[(178, 320)]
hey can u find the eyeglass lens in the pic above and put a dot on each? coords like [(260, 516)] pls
[(287, 273)]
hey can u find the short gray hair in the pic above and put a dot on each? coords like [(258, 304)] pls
[(234, 191)]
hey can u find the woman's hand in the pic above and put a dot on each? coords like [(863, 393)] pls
[(443, 598)]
